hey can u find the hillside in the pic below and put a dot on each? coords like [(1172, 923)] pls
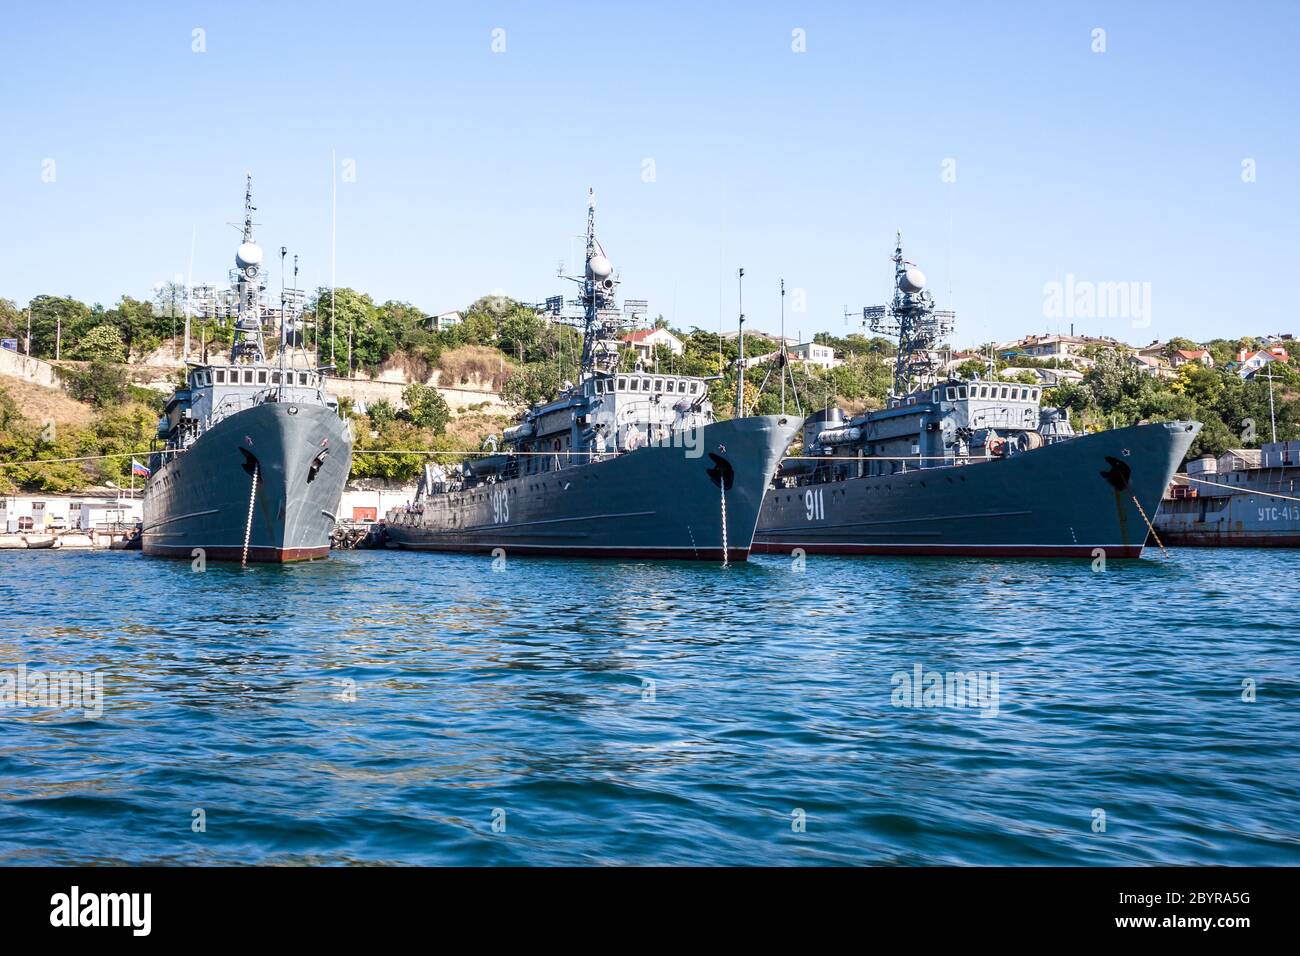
[(42, 404)]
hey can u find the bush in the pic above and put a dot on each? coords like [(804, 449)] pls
[(381, 413), (425, 407), (102, 343), (101, 384)]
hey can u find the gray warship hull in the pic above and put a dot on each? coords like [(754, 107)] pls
[(200, 498), (1065, 499), (1244, 518), (654, 502)]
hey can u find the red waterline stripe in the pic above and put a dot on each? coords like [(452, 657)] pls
[(987, 550)]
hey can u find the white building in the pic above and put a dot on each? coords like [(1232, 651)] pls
[(1249, 363), (66, 512), (813, 353), (445, 320), (365, 504), (646, 340)]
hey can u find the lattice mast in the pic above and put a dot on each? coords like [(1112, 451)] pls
[(247, 283), (601, 320), (916, 324)]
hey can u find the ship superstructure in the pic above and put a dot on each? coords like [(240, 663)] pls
[(951, 466), (621, 463), (252, 455)]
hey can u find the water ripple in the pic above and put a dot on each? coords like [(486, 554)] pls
[(424, 709)]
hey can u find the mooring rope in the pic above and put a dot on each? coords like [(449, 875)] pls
[(248, 526), (55, 461), (1244, 491)]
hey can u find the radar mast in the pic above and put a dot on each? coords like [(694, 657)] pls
[(912, 318), (247, 280)]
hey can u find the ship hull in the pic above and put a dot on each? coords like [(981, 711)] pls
[(1055, 501), (1248, 518), (199, 500), (655, 502)]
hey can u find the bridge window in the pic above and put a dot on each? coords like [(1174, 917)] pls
[(248, 376), (672, 386), (961, 391), (261, 377), (659, 385), (1005, 390), (302, 378), (622, 385), (1035, 394), (221, 377), (950, 393)]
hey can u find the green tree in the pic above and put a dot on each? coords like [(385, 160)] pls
[(13, 323), (425, 407), (103, 343), (101, 384), (521, 333), (53, 315), (346, 310), (1024, 377), (141, 327), (388, 446), (381, 412), (531, 384)]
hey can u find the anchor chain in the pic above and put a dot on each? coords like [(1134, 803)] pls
[(723, 486), (248, 525), (1150, 527)]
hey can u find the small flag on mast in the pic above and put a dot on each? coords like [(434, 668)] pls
[(139, 469)]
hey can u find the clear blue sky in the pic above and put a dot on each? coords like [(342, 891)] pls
[(472, 166)]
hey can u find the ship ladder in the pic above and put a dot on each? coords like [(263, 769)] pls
[(1150, 527), (723, 485), (248, 525)]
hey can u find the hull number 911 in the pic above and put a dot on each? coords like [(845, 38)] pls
[(814, 505)]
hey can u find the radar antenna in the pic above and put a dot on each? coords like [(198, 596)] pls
[(601, 319), (247, 281), (912, 318)]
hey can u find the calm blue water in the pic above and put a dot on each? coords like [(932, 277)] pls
[(381, 707)]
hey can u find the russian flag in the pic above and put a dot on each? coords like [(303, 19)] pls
[(139, 469)]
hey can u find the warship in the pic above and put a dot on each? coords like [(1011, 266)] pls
[(620, 464), (957, 467), (251, 455), (1231, 503)]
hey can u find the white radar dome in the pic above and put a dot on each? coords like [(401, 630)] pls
[(249, 254), (600, 267), (913, 280)]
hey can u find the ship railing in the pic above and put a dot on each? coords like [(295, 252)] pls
[(238, 403), (984, 419)]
